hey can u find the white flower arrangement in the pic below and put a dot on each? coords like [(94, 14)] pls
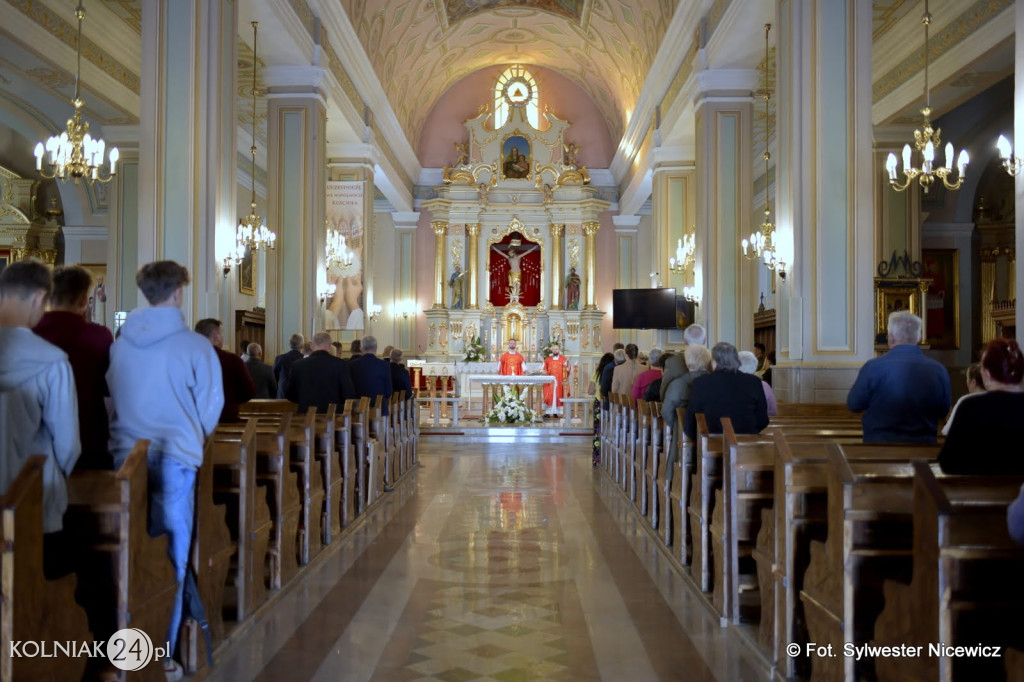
[(509, 408), (474, 350)]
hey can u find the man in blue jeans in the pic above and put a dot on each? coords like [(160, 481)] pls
[(165, 385), (903, 394)]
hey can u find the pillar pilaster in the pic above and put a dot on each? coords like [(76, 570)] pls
[(590, 264), (473, 264), (440, 231), (557, 268), (186, 202)]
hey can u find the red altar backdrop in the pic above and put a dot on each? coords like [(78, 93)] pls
[(529, 267)]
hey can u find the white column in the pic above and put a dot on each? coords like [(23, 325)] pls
[(187, 141), (404, 260)]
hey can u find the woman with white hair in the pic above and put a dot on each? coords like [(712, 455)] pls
[(749, 365), (727, 392), (698, 362), (645, 378)]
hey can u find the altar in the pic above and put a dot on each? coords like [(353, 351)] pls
[(533, 382)]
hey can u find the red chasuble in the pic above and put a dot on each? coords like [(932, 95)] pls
[(559, 369), (511, 364)]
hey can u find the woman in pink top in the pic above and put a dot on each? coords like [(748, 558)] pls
[(645, 378)]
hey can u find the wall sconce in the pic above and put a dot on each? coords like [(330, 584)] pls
[(375, 310), (692, 294), (1011, 164), (234, 259)]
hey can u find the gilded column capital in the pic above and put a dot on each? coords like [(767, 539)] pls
[(590, 229), (473, 229), (440, 227), (557, 229)]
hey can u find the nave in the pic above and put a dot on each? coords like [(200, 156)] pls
[(492, 562)]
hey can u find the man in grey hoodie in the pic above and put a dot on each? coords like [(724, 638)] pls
[(165, 385), (38, 404)]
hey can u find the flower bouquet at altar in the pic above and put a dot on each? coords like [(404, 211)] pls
[(474, 350), (509, 408)]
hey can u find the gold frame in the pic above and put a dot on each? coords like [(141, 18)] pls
[(248, 287), (890, 291), (529, 158), (532, 233)]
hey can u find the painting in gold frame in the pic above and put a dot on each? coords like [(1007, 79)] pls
[(942, 299), (894, 295), (247, 273)]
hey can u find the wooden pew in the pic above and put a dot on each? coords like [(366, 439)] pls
[(282, 486), (211, 556), (32, 608), (378, 432), (870, 507), (629, 450), (350, 470), (655, 463), (676, 519), (125, 577), (360, 436), (816, 410), (641, 451), (326, 467), (249, 519), (966, 586), (706, 477)]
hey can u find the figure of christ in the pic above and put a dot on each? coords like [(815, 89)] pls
[(557, 366), (511, 362), (515, 271)]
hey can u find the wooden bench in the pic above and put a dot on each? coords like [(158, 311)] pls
[(870, 507), (249, 519), (677, 525), (965, 587), (212, 552), (655, 463), (815, 410), (360, 436), (641, 416), (32, 608), (126, 578)]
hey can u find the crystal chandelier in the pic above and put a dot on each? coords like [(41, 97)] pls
[(75, 154), (1011, 164), (338, 252), (685, 250), (926, 141), (761, 244), (251, 232)]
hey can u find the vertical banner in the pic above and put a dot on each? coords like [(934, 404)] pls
[(346, 232)]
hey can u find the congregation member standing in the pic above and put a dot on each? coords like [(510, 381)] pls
[(262, 374), (321, 379), (648, 376), (987, 431), (608, 373), (165, 386), (87, 345), (238, 386), (38, 407), (511, 362), (625, 374), (283, 363), (903, 394), (371, 376), (400, 379)]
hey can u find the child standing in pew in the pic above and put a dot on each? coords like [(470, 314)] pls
[(165, 385), (38, 406)]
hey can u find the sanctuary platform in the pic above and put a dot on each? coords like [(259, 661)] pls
[(441, 422)]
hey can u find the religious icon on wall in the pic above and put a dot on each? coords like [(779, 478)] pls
[(247, 273), (572, 290), (515, 158), (457, 284)]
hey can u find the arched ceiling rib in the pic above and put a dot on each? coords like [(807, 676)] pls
[(419, 48)]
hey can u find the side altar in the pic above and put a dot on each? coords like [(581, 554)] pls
[(532, 276)]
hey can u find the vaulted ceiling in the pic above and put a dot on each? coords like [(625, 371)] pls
[(419, 48)]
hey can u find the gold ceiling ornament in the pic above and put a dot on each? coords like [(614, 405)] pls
[(1011, 164), (927, 140), (75, 153), (761, 243), (251, 232)]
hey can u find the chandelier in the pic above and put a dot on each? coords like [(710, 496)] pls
[(75, 154), (926, 141), (251, 232), (685, 250), (338, 252), (761, 244), (1011, 164)]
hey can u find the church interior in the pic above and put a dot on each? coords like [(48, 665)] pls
[(449, 176)]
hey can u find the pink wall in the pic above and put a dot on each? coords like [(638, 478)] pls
[(443, 127)]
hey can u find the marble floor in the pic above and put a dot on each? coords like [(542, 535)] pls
[(493, 562)]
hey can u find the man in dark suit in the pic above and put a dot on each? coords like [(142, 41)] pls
[(261, 373), (400, 380), (727, 392), (238, 386), (320, 379), (283, 362), (371, 375)]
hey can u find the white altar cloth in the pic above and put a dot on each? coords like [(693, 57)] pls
[(483, 380)]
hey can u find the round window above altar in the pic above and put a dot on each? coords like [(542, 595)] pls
[(516, 87)]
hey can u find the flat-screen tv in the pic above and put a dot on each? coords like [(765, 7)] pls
[(644, 308)]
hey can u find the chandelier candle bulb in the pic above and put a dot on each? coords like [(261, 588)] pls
[(1002, 144), (961, 163)]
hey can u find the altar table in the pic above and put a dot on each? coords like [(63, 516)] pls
[(532, 382)]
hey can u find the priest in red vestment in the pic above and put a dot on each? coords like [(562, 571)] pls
[(511, 363), (557, 366)]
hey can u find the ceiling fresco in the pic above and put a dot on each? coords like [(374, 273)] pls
[(606, 46)]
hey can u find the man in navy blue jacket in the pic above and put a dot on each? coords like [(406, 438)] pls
[(371, 375), (320, 379), (283, 363), (400, 379), (903, 394)]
